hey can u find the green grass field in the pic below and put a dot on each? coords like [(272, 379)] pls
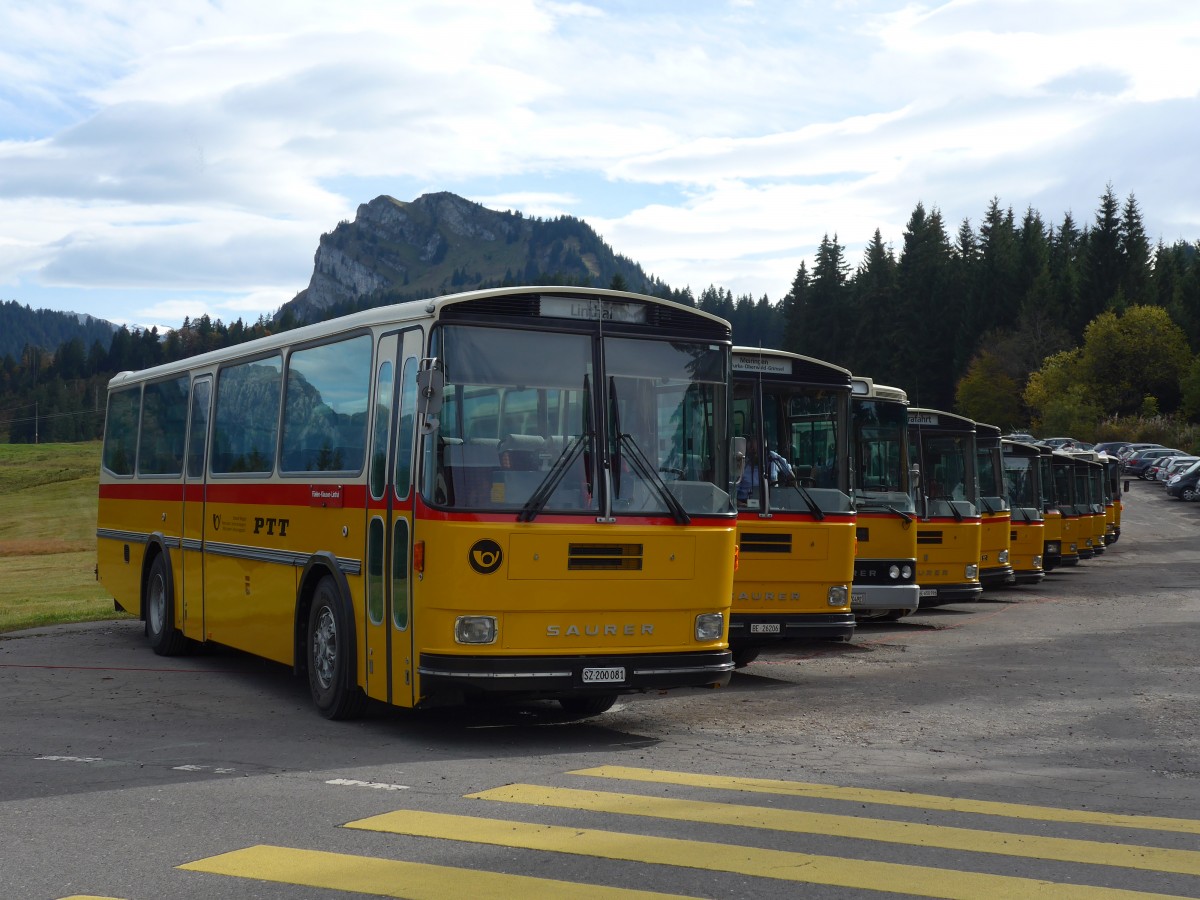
[(48, 536)]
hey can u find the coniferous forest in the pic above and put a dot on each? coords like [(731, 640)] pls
[(1063, 326)]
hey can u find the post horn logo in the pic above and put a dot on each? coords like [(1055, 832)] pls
[(485, 556)]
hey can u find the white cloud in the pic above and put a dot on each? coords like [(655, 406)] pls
[(192, 150)]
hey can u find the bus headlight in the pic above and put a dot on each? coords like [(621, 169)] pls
[(475, 629), (1037, 562), (906, 572), (893, 571), (972, 572), (710, 626), (1052, 548), (1002, 557), (837, 595)]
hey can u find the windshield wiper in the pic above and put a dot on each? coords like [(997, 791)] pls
[(638, 459), (905, 516), (813, 506), (541, 496)]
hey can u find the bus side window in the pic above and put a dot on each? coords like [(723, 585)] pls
[(246, 422), (121, 431), (164, 426)]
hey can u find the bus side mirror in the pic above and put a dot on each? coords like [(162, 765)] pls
[(431, 388), (914, 475), (739, 458)]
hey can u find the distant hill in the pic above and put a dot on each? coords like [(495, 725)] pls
[(21, 326), (441, 243)]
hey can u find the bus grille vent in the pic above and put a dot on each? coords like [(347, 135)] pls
[(1012, 535), (765, 543), (929, 537), (862, 534), (605, 557)]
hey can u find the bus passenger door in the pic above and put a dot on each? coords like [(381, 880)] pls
[(191, 621), (389, 663)]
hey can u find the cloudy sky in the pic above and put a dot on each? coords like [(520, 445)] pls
[(159, 160)]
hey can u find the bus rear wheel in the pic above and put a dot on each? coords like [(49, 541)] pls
[(591, 705), (331, 678), (158, 604)]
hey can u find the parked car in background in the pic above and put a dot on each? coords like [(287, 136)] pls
[(1110, 447), (1059, 443), (1023, 436), (1170, 465), (1185, 485), (1130, 449), (1138, 463)]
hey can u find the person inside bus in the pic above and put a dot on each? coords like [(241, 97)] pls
[(778, 471)]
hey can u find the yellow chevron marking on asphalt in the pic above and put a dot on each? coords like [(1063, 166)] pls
[(780, 865), (393, 878), (894, 798), (1155, 859)]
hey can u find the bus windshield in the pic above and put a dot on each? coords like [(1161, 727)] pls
[(948, 474), (519, 429), (881, 456), (1020, 476)]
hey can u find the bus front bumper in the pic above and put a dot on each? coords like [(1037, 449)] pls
[(764, 628), (869, 600), (949, 593), (558, 676), (995, 577)]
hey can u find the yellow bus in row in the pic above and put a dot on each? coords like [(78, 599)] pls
[(796, 521), (885, 563), (1027, 540), (519, 492), (1052, 516), (1065, 499), (949, 522), (995, 569)]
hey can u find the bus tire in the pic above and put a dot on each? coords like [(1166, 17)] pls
[(591, 705), (158, 604), (328, 654), (743, 656)]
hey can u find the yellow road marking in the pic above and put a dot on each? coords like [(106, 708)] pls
[(393, 878), (782, 865), (87, 897), (894, 798), (1155, 859)]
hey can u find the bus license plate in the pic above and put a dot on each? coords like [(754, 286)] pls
[(928, 592), (613, 675), (858, 599), (764, 628)]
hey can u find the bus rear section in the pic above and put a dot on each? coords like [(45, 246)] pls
[(995, 567), (885, 564), (1022, 477), (796, 523), (949, 523)]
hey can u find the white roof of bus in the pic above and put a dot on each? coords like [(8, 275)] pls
[(394, 313), (784, 354)]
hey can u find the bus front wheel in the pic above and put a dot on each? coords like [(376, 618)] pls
[(159, 608), (330, 677)]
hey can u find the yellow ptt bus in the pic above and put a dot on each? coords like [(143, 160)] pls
[(948, 530), (995, 568), (1052, 516), (1066, 501), (1027, 541), (519, 492), (885, 564), (795, 517)]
